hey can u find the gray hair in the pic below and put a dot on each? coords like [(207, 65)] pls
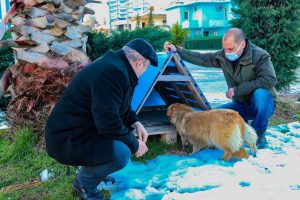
[(132, 54), (238, 35)]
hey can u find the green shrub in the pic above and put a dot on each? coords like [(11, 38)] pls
[(179, 35), (6, 56), (154, 35), (99, 43)]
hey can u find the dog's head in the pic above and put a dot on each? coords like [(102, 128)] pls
[(177, 107)]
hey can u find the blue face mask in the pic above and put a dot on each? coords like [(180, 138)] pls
[(233, 55)]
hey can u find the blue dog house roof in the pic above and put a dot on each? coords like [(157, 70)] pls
[(170, 82)]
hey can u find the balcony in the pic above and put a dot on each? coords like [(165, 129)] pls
[(123, 12), (217, 23), (210, 1), (190, 24), (113, 8)]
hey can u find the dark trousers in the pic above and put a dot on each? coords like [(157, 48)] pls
[(90, 176), (259, 110)]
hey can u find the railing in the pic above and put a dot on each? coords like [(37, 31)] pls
[(204, 43), (190, 24)]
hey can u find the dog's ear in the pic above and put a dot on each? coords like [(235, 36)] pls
[(170, 110)]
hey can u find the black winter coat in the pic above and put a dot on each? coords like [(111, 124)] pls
[(92, 111)]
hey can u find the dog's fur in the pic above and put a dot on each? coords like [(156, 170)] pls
[(221, 128)]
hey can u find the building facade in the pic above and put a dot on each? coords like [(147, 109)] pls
[(159, 19), (4, 6), (201, 17), (121, 11)]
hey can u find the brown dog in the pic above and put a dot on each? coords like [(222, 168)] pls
[(222, 128)]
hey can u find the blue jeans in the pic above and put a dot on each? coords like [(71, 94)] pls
[(259, 110), (90, 176)]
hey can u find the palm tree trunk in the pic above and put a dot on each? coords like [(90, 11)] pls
[(48, 39)]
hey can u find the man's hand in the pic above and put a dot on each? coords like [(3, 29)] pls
[(230, 93), (142, 149), (169, 47), (141, 131)]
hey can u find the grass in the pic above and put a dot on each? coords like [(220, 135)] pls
[(286, 111), (21, 162)]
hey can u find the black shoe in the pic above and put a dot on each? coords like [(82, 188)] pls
[(261, 142), (109, 179), (91, 195), (108, 183)]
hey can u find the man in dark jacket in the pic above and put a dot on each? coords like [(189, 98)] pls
[(91, 124), (249, 74)]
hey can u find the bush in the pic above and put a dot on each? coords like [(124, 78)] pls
[(99, 43), (6, 60), (179, 35), (273, 26), (6, 56), (154, 35)]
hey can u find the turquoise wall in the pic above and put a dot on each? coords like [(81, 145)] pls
[(212, 18)]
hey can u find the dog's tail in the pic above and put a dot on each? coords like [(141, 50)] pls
[(250, 138)]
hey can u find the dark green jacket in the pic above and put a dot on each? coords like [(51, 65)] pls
[(253, 70)]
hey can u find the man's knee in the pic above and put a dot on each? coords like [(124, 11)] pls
[(121, 154), (261, 97)]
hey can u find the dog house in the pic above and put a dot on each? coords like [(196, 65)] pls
[(170, 82)]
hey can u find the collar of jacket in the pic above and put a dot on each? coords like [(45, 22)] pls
[(133, 77), (245, 59)]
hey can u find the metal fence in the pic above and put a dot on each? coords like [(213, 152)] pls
[(204, 43)]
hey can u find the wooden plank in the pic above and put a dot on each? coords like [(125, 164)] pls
[(168, 133), (179, 93), (172, 69), (169, 138), (153, 84), (173, 78), (158, 130), (202, 102)]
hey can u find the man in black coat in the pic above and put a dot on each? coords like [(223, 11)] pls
[(91, 125)]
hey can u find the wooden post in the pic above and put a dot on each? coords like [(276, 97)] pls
[(169, 138)]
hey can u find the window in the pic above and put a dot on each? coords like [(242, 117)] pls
[(215, 33), (195, 9), (206, 33), (219, 8), (186, 15), (143, 24), (225, 13), (164, 21)]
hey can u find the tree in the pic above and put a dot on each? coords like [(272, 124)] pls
[(50, 42), (179, 35), (274, 26), (150, 19), (138, 21)]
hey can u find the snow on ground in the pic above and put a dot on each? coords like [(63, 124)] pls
[(273, 174)]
